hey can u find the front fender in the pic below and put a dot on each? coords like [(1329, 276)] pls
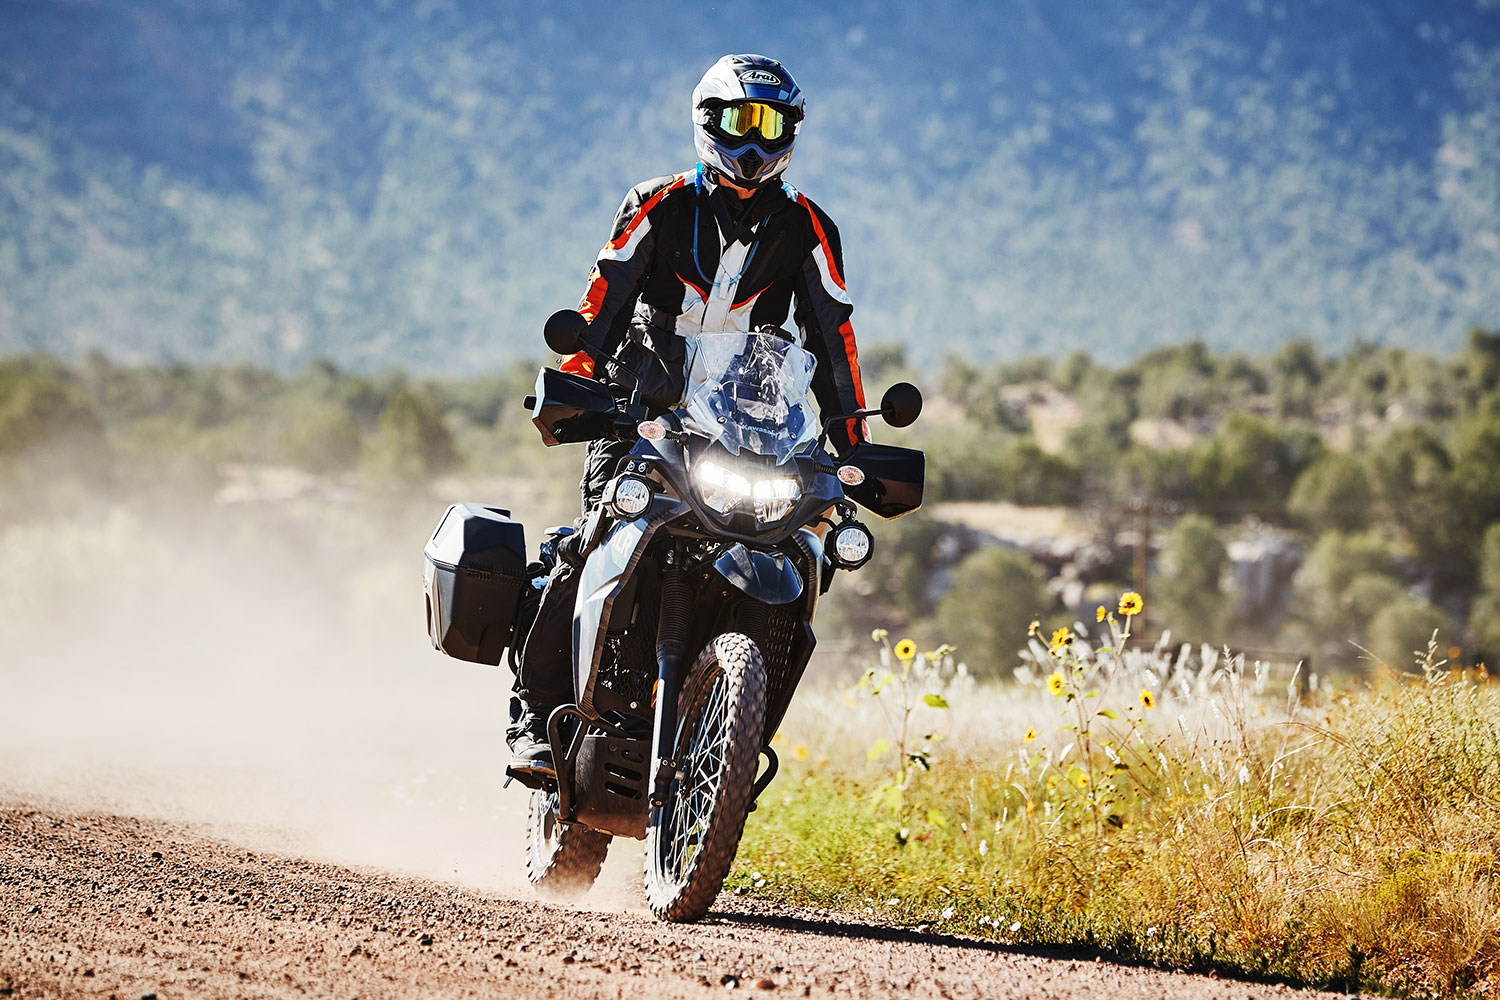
[(768, 577)]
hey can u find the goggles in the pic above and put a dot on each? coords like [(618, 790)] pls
[(739, 119)]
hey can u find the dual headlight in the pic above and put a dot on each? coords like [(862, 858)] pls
[(723, 489)]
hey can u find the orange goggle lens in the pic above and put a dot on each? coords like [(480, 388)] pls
[(738, 119)]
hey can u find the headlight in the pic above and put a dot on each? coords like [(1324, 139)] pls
[(632, 496), (852, 545), (775, 498), (719, 487), (724, 489)]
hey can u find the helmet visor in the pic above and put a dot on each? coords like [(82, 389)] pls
[(739, 119)]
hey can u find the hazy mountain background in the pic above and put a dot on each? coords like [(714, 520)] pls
[(419, 184)]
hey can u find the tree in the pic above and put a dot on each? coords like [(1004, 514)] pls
[(1480, 363), (996, 592), (411, 441), (1187, 586), (1399, 631), (1249, 466), (1484, 614), (38, 405), (51, 442), (1348, 597), (1297, 371), (1332, 494), (1178, 382), (317, 435)]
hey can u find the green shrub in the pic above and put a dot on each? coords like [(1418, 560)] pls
[(995, 593), (1332, 494), (318, 436), (1187, 586)]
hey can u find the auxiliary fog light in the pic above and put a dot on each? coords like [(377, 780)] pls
[(852, 545), (632, 496)]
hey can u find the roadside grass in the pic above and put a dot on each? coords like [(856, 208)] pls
[(1154, 807)]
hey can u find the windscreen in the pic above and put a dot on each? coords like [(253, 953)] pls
[(750, 392)]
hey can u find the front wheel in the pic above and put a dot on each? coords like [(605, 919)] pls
[(692, 839), (562, 859)]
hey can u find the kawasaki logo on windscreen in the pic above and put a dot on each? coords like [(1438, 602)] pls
[(761, 76)]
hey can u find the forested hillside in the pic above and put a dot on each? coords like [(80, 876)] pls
[(420, 183)]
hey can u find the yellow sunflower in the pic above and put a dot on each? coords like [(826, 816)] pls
[(1030, 734), (1148, 700), (1055, 683), (1060, 640), (906, 649), (1131, 603), (1099, 613)]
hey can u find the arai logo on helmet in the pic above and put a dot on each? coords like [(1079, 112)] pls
[(761, 76)]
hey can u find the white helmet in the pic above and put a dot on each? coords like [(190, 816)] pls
[(747, 111)]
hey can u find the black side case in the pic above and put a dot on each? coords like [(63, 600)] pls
[(474, 575)]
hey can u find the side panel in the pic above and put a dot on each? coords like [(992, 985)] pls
[(604, 577)]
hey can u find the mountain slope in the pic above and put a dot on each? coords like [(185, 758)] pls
[(421, 184)]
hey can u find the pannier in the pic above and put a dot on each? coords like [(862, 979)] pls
[(474, 578)]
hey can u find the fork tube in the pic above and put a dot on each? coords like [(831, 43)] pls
[(671, 634)]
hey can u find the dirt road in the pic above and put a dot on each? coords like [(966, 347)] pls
[(100, 905)]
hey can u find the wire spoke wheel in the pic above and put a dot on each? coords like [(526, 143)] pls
[(691, 841), (562, 859)]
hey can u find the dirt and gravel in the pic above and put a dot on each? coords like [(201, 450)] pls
[(100, 905)]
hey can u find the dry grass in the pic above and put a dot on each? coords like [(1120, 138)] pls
[(1345, 839)]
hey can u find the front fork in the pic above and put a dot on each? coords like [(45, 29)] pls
[(671, 642)]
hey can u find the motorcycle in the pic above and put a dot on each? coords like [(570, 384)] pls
[(703, 565)]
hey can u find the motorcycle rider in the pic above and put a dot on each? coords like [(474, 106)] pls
[(726, 246)]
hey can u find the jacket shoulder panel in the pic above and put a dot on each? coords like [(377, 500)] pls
[(644, 195)]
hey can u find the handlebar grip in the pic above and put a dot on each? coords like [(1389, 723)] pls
[(529, 402)]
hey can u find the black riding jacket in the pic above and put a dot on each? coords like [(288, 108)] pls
[(688, 257)]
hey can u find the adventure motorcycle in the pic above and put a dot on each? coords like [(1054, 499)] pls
[(704, 562)]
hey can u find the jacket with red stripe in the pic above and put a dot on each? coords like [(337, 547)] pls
[(688, 257)]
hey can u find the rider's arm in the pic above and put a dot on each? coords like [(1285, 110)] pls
[(822, 312), (619, 272)]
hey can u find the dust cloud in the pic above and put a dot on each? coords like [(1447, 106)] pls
[(256, 664)]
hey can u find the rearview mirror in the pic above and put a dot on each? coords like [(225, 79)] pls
[(901, 404), (564, 331)]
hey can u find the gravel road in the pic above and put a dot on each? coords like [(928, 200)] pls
[(93, 904)]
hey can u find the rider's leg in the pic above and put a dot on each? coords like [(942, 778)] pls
[(545, 679)]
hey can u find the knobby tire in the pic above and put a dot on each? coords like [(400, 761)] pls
[(692, 842), (562, 859)]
